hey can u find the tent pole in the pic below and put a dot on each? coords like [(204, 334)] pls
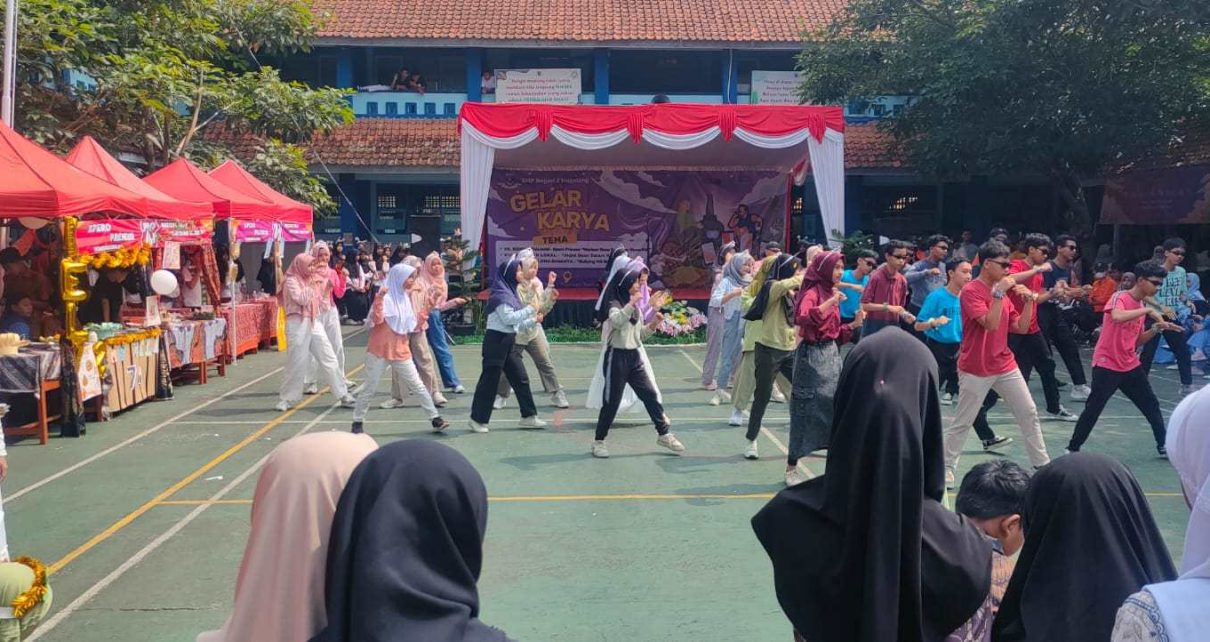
[(10, 61)]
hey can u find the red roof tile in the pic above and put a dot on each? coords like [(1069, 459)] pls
[(603, 21), (867, 147)]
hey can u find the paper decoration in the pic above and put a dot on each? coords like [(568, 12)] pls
[(89, 376), (152, 318), (172, 256)]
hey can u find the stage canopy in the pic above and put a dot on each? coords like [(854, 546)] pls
[(232, 175), (184, 180), (38, 183), (89, 156), (678, 137)]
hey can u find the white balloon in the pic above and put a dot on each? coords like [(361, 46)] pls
[(163, 282), (33, 223)]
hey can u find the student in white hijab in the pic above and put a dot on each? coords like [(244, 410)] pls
[(596, 389), (1179, 611), (279, 593)]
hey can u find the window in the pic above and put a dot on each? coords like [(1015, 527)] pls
[(665, 72), (543, 59), (403, 208)]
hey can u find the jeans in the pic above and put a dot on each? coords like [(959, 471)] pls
[(733, 343), (1137, 388), (441, 350)]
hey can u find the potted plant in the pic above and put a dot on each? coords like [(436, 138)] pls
[(462, 268)]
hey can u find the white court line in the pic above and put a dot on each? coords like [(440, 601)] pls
[(154, 544), (764, 431)]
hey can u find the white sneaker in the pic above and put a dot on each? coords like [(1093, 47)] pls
[(391, 404), (723, 395), (350, 384), (532, 422), (1080, 393), (476, 426), (599, 450), (281, 406), (559, 399), (714, 400), (1064, 415), (459, 390), (669, 441), (777, 396), (949, 479), (738, 417), (947, 399), (797, 476), (751, 452), (439, 399), (311, 389), (500, 402), (348, 401)]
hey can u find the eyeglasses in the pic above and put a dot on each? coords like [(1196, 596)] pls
[(943, 248), (1156, 282), (901, 257), (1003, 264)]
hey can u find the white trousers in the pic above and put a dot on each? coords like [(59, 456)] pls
[(330, 321), (3, 533), (1011, 387), (422, 359), (306, 342), (401, 371)]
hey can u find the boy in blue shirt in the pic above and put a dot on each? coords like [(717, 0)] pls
[(856, 280)]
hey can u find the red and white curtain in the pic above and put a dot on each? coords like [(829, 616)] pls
[(797, 139)]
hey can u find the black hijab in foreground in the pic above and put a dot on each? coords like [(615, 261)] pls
[(1090, 542), (784, 266), (406, 549), (866, 552)]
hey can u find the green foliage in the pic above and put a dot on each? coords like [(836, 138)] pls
[(464, 272), (858, 240)]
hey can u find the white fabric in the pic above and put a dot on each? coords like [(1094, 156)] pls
[(3, 532), (618, 264), (401, 371), (397, 308), (478, 157), (681, 141), (1184, 607), (1188, 444), (330, 321), (773, 142), (589, 141), (306, 341), (827, 167), (596, 390)]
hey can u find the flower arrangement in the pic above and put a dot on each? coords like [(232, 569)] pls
[(680, 319), (122, 257)]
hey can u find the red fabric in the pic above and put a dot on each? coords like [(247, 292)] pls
[(1117, 346), (508, 120), (232, 175), (38, 183), (184, 180), (1034, 284), (985, 353), (815, 326), (884, 288), (89, 156)]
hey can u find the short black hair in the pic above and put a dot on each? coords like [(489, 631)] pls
[(992, 249), (954, 264), (1062, 240), (993, 489), (937, 239), (660, 99), (1173, 243), (895, 244), (1151, 269), (865, 254), (1038, 240), (997, 231)]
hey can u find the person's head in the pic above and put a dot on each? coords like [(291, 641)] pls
[(13, 262), (994, 263), (321, 252), (866, 261), (404, 73), (303, 266), (117, 275), (1066, 247), (1127, 281), (958, 273), (939, 246), (487, 75), (1037, 248), (992, 496), (772, 248), (23, 306), (660, 99), (1188, 443), (966, 236), (1115, 273), (338, 261), (1150, 277), (998, 234), (1174, 251), (897, 254)]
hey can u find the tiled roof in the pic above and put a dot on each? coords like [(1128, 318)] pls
[(867, 147), (1192, 148), (604, 21)]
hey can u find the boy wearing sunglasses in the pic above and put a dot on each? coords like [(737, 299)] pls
[(1167, 298)]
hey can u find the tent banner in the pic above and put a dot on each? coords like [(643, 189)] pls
[(677, 221), (186, 232), (107, 235), (254, 231), (293, 232), (1174, 196)]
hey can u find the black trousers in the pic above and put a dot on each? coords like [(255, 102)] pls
[(499, 358), (946, 355), (856, 331), (910, 328), (1057, 330), (622, 368), (768, 362), (1137, 388), (1180, 350), (1032, 352)]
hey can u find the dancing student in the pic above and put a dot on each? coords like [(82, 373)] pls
[(506, 314), (745, 378), (1176, 611), (855, 281), (533, 341), (1168, 300), (1063, 278), (927, 274), (596, 389), (279, 593), (305, 336), (433, 279), (331, 286), (774, 352), (394, 321), (1115, 360), (624, 366), (817, 362), (727, 295), (715, 321), (407, 549), (866, 552), (422, 355), (1090, 542), (886, 293)]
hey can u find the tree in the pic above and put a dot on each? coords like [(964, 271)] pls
[(164, 71), (1063, 88)]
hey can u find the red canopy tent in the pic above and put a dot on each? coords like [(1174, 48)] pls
[(89, 156), (232, 175), (186, 181), (40, 184)]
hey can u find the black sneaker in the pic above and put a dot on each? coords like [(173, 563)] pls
[(1162, 452), (439, 424), (995, 442), (357, 429)]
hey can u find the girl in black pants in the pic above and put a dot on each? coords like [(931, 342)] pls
[(505, 315), (623, 364)]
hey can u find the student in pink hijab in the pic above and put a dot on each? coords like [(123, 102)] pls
[(331, 286), (279, 593), (305, 336), (433, 276)]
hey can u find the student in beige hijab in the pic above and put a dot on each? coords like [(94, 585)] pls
[(279, 594), (25, 598)]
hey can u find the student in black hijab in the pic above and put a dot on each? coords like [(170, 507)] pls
[(407, 548), (1090, 542), (866, 552)]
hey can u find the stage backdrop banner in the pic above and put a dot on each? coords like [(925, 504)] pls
[(676, 220), (1180, 195)]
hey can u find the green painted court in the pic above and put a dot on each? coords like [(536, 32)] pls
[(144, 519)]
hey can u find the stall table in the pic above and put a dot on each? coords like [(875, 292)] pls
[(133, 368), (254, 323), (35, 370), (197, 345)]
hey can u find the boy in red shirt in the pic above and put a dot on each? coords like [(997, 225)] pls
[(1115, 361), (985, 362)]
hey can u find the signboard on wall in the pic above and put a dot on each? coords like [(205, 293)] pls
[(549, 86), (776, 87), (1178, 195)]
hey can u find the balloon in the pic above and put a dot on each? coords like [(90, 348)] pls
[(163, 282), (33, 223)]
